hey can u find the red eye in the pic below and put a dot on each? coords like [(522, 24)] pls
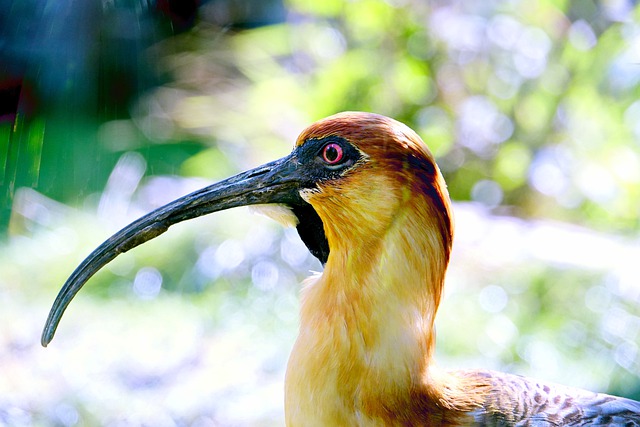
[(332, 153)]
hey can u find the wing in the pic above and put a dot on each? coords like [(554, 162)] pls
[(521, 401)]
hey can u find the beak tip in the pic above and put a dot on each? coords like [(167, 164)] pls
[(47, 335)]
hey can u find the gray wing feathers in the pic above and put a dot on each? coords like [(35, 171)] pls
[(523, 402)]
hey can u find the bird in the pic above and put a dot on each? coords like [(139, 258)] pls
[(370, 203)]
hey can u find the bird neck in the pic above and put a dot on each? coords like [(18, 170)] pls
[(367, 323)]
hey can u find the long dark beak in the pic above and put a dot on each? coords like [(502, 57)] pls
[(275, 182)]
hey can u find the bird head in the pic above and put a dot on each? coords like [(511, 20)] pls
[(347, 180), (372, 170)]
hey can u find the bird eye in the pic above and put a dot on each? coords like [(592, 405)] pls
[(332, 153)]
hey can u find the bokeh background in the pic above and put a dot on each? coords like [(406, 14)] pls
[(111, 108)]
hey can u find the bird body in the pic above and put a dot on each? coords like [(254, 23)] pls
[(366, 336), (370, 203), (364, 353)]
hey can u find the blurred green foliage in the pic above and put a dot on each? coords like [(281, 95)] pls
[(540, 99), (531, 108)]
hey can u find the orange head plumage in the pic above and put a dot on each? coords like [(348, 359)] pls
[(385, 164), (384, 180)]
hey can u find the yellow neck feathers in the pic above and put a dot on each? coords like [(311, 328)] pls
[(366, 337)]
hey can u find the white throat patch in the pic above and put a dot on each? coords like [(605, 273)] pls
[(279, 213)]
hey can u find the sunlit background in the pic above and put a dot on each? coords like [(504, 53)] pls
[(110, 109)]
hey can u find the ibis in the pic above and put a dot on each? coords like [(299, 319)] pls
[(368, 200)]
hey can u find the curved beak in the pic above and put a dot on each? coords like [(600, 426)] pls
[(275, 182)]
